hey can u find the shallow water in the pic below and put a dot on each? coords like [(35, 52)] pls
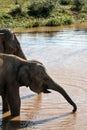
[(64, 53)]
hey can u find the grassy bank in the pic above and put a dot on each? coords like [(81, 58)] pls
[(28, 13)]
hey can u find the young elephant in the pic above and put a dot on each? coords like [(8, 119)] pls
[(9, 43), (24, 73)]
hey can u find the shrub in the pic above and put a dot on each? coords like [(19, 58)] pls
[(32, 23), (16, 11), (53, 22), (65, 2), (41, 8), (66, 20), (78, 4), (84, 9), (5, 16)]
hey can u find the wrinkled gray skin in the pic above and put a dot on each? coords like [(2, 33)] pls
[(9, 43), (16, 72)]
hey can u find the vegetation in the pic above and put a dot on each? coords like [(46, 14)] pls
[(32, 13), (79, 4), (65, 2), (41, 8)]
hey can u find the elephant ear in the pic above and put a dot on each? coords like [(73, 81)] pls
[(23, 76)]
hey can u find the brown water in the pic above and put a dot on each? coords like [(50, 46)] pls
[(64, 53)]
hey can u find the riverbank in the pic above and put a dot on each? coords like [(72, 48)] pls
[(17, 15), (50, 28)]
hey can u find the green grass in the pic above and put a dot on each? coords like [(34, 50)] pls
[(60, 15)]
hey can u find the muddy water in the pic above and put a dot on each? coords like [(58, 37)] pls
[(64, 53)]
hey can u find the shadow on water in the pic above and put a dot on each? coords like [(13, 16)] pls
[(8, 124), (28, 96), (24, 97)]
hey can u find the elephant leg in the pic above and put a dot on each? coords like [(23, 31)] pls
[(5, 105), (14, 101)]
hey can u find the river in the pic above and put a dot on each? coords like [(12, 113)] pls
[(64, 54)]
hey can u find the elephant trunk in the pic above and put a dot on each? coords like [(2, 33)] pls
[(54, 86)]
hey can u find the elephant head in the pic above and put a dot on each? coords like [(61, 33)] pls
[(9, 43), (34, 75)]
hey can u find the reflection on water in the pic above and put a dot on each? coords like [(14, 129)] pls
[(64, 53)]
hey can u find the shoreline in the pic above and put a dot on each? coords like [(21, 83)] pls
[(50, 28)]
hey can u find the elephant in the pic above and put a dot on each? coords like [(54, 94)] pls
[(29, 73), (9, 43)]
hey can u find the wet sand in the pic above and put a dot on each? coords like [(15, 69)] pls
[(67, 65)]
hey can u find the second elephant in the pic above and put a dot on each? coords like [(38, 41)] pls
[(24, 73), (9, 43)]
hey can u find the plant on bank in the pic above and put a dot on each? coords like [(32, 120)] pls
[(78, 5), (53, 22), (17, 11), (65, 2), (41, 8)]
